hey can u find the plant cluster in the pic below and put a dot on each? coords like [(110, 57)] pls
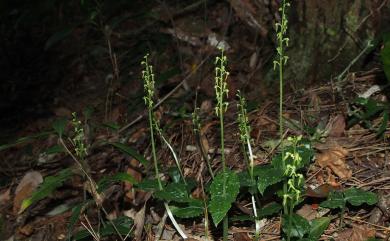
[(283, 175)]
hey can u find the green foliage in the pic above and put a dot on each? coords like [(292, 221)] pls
[(302, 229), (150, 185), (76, 212), (148, 78), (59, 126), (270, 209), (224, 190), (173, 192), (295, 225), (78, 139), (364, 110), (353, 196), (25, 139), (121, 225), (54, 149), (47, 187), (317, 227), (385, 55), (130, 151), (106, 181), (268, 176), (193, 208)]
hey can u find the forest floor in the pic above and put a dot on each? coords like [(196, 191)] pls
[(349, 137)]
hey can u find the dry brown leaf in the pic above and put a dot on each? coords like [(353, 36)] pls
[(128, 187), (337, 126), (334, 158), (26, 187), (26, 230), (241, 237), (308, 212), (139, 222), (5, 196), (356, 233)]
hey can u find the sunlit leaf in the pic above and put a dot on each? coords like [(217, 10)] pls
[(49, 184)]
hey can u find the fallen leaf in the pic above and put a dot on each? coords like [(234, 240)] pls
[(26, 230), (5, 196), (334, 158), (139, 222), (321, 191), (128, 187), (356, 233), (26, 187), (308, 212), (241, 237), (337, 126)]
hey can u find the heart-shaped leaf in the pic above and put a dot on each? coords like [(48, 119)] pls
[(173, 192), (299, 225), (357, 197), (268, 177), (318, 226), (335, 200), (194, 209), (224, 190)]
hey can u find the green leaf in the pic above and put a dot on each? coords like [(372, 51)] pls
[(123, 224), (25, 139), (385, 57), (268, 177), (224, 189), (383, 126), (121, 176), (59, 126), (130, 151), (318, 226), (357, 197), (299, 225), (57, 37), (49, 184), (270, 209), (173, 192), (54, 149), (149, 185), (112, 125), (303, 148), (245, 179), (194, 209), (76, 212), (335, 200)]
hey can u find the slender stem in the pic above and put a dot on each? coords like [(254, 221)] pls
[(225, 228), (222, 140), (290, 220), (154, 149)]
